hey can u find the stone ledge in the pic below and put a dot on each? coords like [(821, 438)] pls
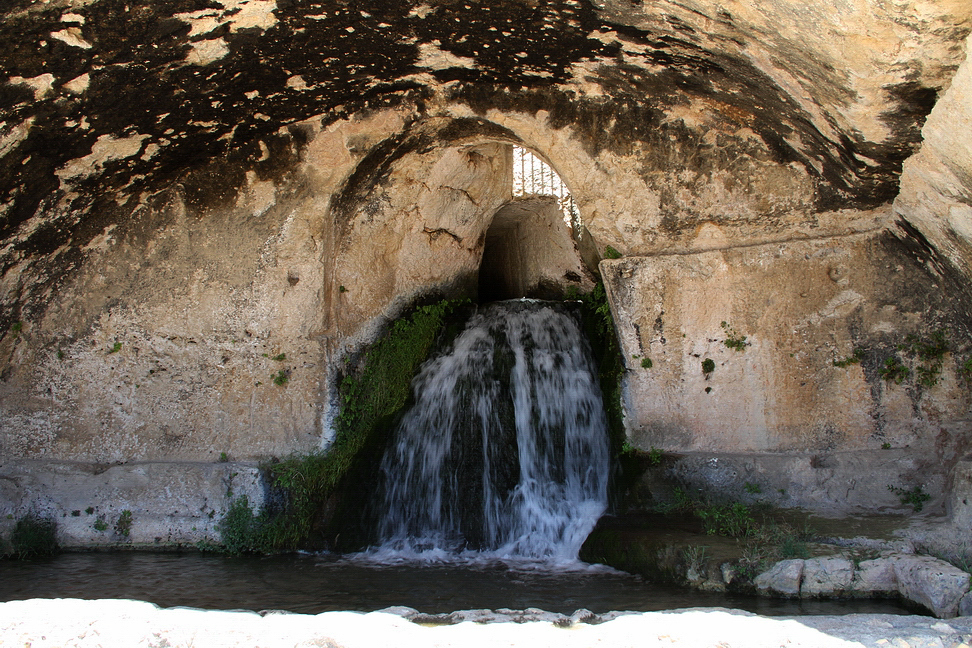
[(172, 503), (932, 583)]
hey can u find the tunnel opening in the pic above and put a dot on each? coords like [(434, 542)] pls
[(532, 246)]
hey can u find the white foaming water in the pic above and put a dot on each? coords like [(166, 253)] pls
[(505, 453)]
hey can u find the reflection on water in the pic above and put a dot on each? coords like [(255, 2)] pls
[(315, 583)]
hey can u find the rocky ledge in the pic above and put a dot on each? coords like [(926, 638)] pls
[(68, 622), (932, 583)]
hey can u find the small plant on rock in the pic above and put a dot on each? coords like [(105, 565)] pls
[(654, 456), (733, 340), (281, 378), (611, 253), (893, 370), (854, 358), (646, 363), (708, 366), (123, 526), (916, 496)]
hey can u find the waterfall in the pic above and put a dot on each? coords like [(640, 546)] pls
[(505, 451)]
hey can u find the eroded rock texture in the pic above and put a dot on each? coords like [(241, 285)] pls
[(199, 196)]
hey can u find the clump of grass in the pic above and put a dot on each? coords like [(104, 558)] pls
[(115, 348), (34, 535)]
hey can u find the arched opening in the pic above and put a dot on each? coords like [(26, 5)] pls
[(531, 246)]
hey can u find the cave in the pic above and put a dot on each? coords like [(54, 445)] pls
[(210, 209)]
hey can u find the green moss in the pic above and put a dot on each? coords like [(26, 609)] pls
[(708, 366), (372, 392), (612, 253), (599, 329)]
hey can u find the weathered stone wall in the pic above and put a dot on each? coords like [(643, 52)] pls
[(936, 183), (233, 194)]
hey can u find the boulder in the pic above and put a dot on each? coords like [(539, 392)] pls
[(875, 577), (931, 582), (827, 576), (783, 578)]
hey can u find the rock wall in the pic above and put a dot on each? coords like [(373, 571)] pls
[(936, 183), (201, 217)]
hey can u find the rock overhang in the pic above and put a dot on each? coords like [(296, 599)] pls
[(106, 97)]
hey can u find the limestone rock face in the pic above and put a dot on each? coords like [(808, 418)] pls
[(205, 207), (936, 183), (783, 578), (826, 576), (165, 504)]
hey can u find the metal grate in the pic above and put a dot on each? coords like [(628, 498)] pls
[(534, 177)]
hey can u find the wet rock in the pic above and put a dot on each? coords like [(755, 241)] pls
[(828, 576), (783, 578)]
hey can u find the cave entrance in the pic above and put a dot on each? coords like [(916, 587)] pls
[(533, 246)]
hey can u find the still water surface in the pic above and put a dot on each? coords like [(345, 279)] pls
[(316, 583)]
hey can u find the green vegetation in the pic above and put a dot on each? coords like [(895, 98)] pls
[(599, 328), (611, 253), (926, 357), (280, 378), (89, 510), (930, 354), (916, 496), (894, 370), (646, 363), (34, 535), (279, 358), (733, 340), (752, 488), (223, 457), (123, 526), (371, 393), (654, 456), (100, 524), (733, 520), (115, 348), (854, 358), (965, 370), (886, 446), (17, 327), (708, 366)]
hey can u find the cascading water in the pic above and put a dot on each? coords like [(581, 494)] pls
[(505, 451)]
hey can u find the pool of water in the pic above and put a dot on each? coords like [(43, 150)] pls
[(318, 583)]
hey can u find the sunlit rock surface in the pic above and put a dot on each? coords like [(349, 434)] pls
[(132, 623)]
